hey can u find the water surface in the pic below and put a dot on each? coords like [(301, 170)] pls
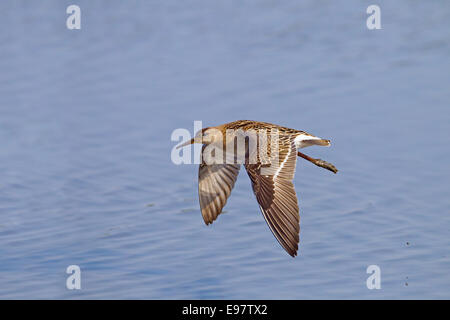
[(85, 170)]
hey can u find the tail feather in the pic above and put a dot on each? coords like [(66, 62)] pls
[(321, 142), (303, 141)]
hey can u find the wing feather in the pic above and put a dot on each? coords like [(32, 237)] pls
[(215, 183), (277, 198)]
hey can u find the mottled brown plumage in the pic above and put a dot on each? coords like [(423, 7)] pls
[(271, 172)]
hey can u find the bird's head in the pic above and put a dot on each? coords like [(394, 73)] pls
[(204, 136)]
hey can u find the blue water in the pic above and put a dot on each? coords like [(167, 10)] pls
[(86, 176)]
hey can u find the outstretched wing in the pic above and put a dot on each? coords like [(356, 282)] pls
[(215, 183), (276, 195)]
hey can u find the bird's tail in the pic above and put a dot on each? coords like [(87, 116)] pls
[(305, 140)]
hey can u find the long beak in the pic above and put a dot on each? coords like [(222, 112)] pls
[(187, 143)]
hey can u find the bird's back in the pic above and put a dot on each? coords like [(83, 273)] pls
[(259, 125)]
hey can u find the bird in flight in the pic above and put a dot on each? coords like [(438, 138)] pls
[(269, 154)]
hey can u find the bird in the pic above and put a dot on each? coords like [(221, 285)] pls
[(269, 156)]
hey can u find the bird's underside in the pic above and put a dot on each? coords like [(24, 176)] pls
[(271, 183)]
